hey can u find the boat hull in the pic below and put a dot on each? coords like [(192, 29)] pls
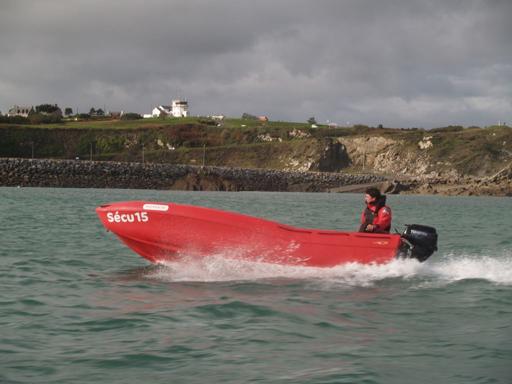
[(163, 232)]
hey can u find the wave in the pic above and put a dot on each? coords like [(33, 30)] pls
[(439, 270), (453, 267)]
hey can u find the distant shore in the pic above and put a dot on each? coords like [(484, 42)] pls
[(103, 174)]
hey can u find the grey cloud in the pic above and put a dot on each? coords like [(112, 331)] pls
[(405, 63)]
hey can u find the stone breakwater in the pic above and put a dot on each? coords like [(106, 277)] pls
[(98, 174)]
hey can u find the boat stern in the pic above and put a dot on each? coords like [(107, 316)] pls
[(418, 242)]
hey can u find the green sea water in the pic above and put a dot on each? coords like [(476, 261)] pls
[(76, 306)]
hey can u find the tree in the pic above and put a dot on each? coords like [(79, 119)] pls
[(45, 114), (248, 116), (311, 120), (48, 108), (92, 111), (99, 112), (131, 116), (68, 111)]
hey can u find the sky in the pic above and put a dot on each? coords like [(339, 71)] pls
[(399, 63)]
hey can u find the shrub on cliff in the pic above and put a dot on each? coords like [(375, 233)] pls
[(14, 120), (117, 143), (131, 116), (450, 128), (207, 121), (39, 118), (33, 118), (248, 116)]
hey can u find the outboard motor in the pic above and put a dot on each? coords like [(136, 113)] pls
[(418, 242)]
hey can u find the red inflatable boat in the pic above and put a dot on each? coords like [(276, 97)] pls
[(163, 232)]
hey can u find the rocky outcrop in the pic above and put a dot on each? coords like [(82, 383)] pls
[(386, 155), (333, 157), (498, 185), (92, 174)]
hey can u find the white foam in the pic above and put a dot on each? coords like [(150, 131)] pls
[(440, 270), (220, 268), (452, 268)]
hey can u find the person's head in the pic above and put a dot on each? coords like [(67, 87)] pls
[(372, 195)]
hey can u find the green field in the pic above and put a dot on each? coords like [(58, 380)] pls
[(159, 122)]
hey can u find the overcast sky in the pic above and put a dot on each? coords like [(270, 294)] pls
[(400, 63)]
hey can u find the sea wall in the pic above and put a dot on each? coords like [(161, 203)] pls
[(100, 174)]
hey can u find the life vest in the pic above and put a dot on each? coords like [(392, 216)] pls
[(380, 217)]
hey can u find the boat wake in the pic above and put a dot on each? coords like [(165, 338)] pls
[(451, 268), (440, 271)]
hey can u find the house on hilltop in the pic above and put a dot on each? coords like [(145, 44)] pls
[(178, 108), (115, 114), (17, 110), (162, 111)]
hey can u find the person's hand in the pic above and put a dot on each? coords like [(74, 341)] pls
[(370, 227)]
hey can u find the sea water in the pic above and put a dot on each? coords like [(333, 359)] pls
[(76, 306)]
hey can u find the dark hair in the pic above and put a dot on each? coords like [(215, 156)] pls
[(373, 192)]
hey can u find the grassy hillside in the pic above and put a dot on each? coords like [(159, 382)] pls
[(251, 143), (103, 123), (108, 137)]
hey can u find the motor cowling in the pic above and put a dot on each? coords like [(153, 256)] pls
[(418, 242)]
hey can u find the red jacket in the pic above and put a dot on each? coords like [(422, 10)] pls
[(381, 220)]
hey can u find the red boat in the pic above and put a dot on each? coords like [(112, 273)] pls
[(163, 232)]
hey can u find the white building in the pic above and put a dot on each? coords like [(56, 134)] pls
[(17, 110), (178, 108), (162, 110)]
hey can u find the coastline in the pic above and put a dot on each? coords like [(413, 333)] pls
[(107, 174)]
